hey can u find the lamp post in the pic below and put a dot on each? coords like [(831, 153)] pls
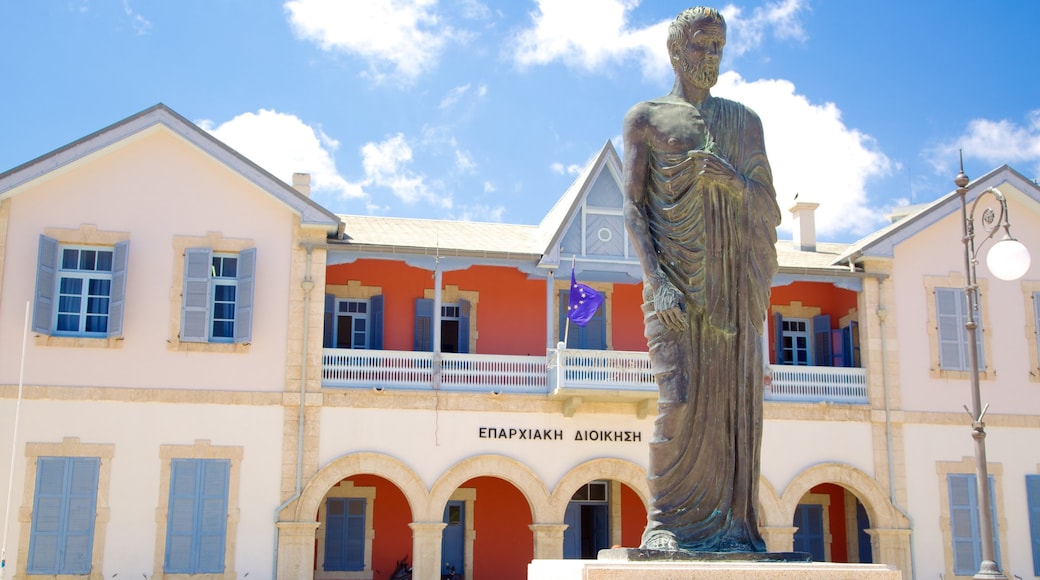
[(1008, 259)]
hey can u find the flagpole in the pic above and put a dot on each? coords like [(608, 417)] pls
[(14, 442)]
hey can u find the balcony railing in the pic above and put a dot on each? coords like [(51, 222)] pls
[(581, 370)]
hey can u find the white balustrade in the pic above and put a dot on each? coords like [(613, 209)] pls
[(582, 369)]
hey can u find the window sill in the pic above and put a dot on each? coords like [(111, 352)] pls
[(956, 375), (78, 341), (220, 347)]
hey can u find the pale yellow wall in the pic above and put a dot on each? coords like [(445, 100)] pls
[(932, 257), (153, 192)]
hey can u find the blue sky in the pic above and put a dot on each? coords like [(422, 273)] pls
[(484, 111)]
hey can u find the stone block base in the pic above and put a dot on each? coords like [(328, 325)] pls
[(701, 570)]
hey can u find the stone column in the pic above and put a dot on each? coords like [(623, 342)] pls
[(548, 541), (295, 549), (778, 538), (891, 546), (426, 550)]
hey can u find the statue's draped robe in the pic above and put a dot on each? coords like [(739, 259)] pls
[(717, 247)]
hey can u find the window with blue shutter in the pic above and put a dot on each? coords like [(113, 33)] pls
[(809, 536), (345, 534), (61, 538), (1033, 501), (423, 325), (592, 336), (80, 290), (951, 313), (964, 522), (822, 340), (196, 523), (217, 296)]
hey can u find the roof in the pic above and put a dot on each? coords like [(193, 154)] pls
[(882, 242), (14, 181), (444, 237)]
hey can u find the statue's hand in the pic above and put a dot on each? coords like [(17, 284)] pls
[(716, 170), (668, 302)]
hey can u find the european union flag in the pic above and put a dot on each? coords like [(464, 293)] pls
[(584, 301)]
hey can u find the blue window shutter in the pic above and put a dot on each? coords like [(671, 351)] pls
[(47, 514), (330, 322), (1033, 501), (837, 358), (778, 334), (335, 534), (822, 340), (46, 285), (244, 296), (808, 518), (180, 517), (592, 336), (117, 298), (355, 544), (964, 524), (464, 308), (195, 298), (375, 321), (79, 529), (212, 517), (64, 508), (423, 325)]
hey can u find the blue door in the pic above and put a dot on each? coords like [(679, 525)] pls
[(453, 538), (588, 530), (809, 537)]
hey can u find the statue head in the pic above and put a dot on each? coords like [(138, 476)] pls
[(695, 41)]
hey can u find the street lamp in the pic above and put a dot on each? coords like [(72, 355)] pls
[(1008, 259)]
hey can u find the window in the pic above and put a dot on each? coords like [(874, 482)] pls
[(217, 301), (951, 316), (354, 323), (1033, 500), (810, 536), (64, 507), (455, 321), (197, 517), (592, 336), (964, 523), (345, 534), (80, 289), (793, 341)]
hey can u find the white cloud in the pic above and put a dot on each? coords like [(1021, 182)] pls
[(746, 34), (481, 213), (813, 154), (398, 38), (386, 165), (589, 34), (454, 96), (489, 187), (586, 34), (995, 142), (141, 24), (561, 169), (464, 162), (283, 144)]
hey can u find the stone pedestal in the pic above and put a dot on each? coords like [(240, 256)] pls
[(641, 564), (699, 570)]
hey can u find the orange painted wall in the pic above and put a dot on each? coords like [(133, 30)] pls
[(837, 302), (633, 518), (504, 544), (510, 313), (627, 318), (390, 517)]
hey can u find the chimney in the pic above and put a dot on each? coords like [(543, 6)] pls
[(804, 226), (301, 182)]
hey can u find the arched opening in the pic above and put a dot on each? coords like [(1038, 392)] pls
[(499, 545), (363, 529), (601, 514), (831, 524)]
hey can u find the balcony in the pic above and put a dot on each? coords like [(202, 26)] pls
[(574, 375)]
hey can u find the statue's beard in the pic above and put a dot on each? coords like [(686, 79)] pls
[(703, 74)]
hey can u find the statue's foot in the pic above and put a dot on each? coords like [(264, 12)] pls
[(660, 540)]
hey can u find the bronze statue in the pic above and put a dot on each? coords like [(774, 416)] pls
[(701, 210)]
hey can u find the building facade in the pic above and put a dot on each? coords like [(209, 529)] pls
[(220, 377)]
